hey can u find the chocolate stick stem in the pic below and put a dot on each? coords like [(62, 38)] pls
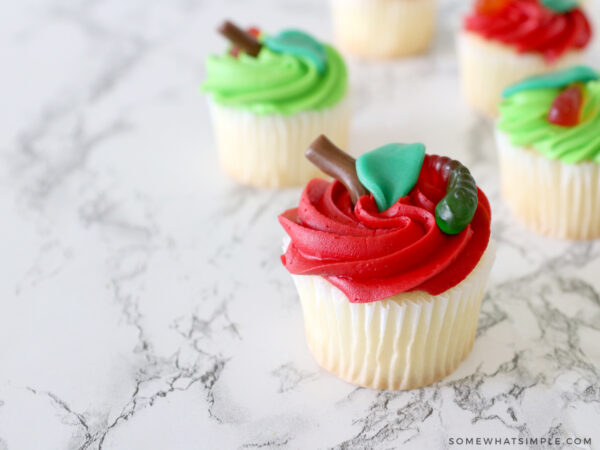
[(334, 162), (240, 38)]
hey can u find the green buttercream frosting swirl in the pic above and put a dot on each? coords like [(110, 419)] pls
[(275, 83), (524, 118)]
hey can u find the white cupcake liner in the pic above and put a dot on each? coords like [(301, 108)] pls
[(268, 150), (488, 67), (406, 341), (549, 196), (383, 28)]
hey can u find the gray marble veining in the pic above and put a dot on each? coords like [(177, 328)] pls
[(143, 302)]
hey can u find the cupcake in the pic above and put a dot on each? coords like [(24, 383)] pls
[(383, 28), (505, 41), (269, 96), (391, 260), (548, 139)]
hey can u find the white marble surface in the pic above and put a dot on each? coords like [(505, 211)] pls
[(142, 301)]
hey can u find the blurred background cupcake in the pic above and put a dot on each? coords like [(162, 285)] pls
[(269, 97), (504, 41), (383, 28), (549, 150)]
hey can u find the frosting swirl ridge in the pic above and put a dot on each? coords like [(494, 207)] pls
[(372, 255)]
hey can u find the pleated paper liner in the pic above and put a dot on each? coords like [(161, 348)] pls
[(488, 67), (383, 28), (407, 341), (268, 150), (550, 197)]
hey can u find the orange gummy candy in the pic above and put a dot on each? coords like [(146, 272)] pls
[(566, 108), (490, 6)]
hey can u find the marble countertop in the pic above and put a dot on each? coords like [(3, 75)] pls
[(142, 301)]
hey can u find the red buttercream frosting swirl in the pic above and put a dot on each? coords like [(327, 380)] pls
[(372, 255), (531, 27)]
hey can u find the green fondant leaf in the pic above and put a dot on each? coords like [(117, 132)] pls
[(390, 172), (560, 6), (299, 44), (558, 79)]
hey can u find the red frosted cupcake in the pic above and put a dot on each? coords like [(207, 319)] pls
[(505, 41), (391, 262)]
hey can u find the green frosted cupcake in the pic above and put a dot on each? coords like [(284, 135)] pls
[(269, 97), (549, 149)]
